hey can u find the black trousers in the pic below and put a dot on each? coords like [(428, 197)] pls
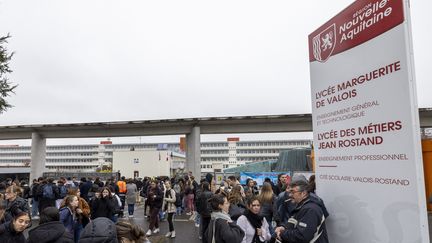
[(205, 221), (170, 221), (154, 218)]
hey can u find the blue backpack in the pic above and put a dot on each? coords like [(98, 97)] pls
[(48, 192), (63, 192)]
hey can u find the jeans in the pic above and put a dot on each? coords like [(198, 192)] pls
[(131, 208), (170, 222), (190, 202), (35, 205), (198, 218), (77, 232)]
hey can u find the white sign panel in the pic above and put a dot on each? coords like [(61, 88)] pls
[(366, 127)]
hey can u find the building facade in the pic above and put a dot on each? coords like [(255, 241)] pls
[(215, 156)]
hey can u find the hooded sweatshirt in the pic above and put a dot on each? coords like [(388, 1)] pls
[(51, 232), (99, 230)]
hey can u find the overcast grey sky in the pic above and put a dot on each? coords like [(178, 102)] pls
[(88, 61)]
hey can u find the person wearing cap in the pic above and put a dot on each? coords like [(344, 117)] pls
[(307, 223)]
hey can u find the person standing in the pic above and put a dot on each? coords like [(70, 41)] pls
[(68, 216), (122, 194), (131, 193), (204, 208), (307, 223), (34, 199), (103, 204), (14, 203), (268, 204), (48, 194), (254, 225), (155, 198), (169, 207), (221, 228)]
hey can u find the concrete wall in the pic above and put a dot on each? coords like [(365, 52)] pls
[(147, 163)]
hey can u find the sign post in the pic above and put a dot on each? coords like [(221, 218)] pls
[(369, 168)]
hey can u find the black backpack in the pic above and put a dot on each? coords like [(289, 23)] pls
[(178, 202)]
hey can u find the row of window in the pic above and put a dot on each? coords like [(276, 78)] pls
[(258, 151), (274, 143), (214, 159)]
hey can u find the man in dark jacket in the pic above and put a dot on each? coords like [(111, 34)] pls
[(307, 223)]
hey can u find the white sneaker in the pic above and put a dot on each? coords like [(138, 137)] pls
[(173, 234), (168, 234), (36, 217), (156, 231), (188, 214), (197, 225), (148, 232)]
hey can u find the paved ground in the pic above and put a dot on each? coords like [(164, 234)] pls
[(185, 229)]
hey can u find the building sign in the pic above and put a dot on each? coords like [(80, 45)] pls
[(366, 127), (259, 177)]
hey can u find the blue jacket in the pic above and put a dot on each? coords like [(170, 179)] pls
[(68, 220)]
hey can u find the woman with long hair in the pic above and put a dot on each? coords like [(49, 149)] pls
[(14, 203), (268, 203), (83, 209), (221, 228), (254, 225), (12, 231), (103, 205), (236, 200), (68, 216), (155, 197), (189, 194)]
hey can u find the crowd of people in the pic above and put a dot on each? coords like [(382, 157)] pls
[(88, 210)]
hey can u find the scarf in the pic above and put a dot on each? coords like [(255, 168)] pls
[(256, 221), (221, 215)]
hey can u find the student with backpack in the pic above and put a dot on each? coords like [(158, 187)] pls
[(62, 192), (48, 194), (170, 207)]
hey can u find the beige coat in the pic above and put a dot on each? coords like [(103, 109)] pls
[(171, 202)]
